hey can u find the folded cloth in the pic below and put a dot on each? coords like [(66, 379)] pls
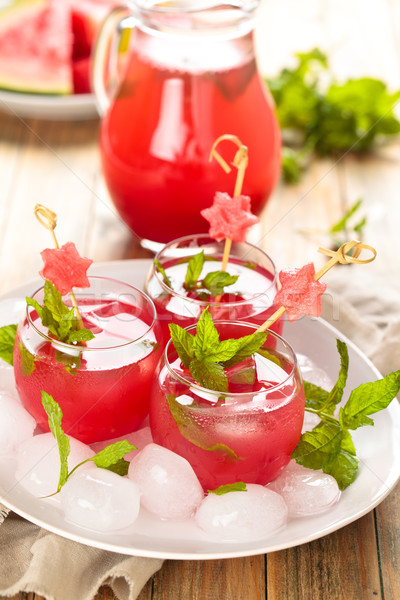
[(34, 560)]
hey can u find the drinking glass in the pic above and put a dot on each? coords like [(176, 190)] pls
[(102, 386), (251, 298), (246, 434)]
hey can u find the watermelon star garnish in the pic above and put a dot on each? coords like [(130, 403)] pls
[(229, 217), (300, 293), (65, 268)]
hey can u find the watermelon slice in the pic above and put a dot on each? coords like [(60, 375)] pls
[(36, 46), (229, 217), (65, 268), (300, 293)]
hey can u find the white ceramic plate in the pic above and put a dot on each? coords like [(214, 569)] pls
[(377, 447), (65, 108)]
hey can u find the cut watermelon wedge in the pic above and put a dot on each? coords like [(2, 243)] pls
[(36, 47)]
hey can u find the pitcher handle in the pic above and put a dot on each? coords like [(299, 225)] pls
[(105, 53)]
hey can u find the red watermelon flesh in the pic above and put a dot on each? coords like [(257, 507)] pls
[(36, 47), (46, 45)]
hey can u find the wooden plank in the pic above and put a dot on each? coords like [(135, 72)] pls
[(203, 580), (332, 567), (388, 532)]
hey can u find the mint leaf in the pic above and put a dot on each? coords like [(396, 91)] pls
[(343, 468), (55, 415), (7, 340), (215, 282), (248, 345), (336, 393), (224, 351), (315, 396), (165, 277), (183, 342), (209, 375), (195, 266), (121, 467), (193, 432), (367, 399), (27, 364), (112, 454), (207, 337), (317, 448), (239, 486)]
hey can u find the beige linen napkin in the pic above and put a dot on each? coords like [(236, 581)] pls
[(59, 569), (34, 560)]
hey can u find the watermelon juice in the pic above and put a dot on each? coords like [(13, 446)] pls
[(103, 386), (246, 434), (158, 132), (250, 298)]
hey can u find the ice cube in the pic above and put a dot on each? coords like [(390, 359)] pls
[(139, 438), (167, 482), (313, 373), (16, 424), (38, 463), (242, 516), (306, 492), (101, 500)]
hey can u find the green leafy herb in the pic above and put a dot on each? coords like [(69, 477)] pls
[(216, 281), (239, 486), (27, 364), (58, 317), (161, 269), (110, 458), (195, 266), (7, 340), (193, 432), (207, 357), (329, 445), (331, 118)]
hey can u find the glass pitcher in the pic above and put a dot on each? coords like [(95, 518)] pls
[(190, 77)]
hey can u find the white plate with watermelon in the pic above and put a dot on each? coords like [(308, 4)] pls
[(377, 448), (45, 50)]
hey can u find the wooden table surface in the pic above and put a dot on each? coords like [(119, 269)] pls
[(57, 164)]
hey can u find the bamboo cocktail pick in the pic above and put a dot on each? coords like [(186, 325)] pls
[(48, 219), (240, 161), (347, 253)]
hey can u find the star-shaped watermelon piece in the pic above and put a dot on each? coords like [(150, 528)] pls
[(229, 217), (300, 294), (65, 268)]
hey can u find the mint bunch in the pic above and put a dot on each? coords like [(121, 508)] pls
[(111, 457), (329, 445), (207, 357), (58, 317), (213, 284)]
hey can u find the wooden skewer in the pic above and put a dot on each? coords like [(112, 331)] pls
[(48, 219), (347, 253)]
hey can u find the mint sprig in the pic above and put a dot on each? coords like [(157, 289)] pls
[(7, 340), (206, 356), (329, 446), (213, 284), (58, 317), (111, 457)]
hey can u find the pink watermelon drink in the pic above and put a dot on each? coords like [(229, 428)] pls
[(250, 298), (103, 385), (245, 434)]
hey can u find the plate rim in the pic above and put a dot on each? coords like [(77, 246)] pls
[(86, 538)]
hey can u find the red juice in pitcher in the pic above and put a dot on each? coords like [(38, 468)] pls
[(157, 135)]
